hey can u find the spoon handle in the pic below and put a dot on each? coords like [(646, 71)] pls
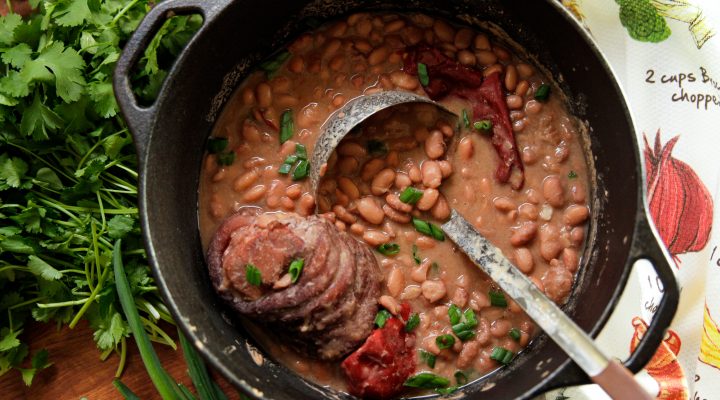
[(574, 341), (619, 383)]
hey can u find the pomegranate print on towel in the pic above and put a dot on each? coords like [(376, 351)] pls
[(664, 366), (680, 204)]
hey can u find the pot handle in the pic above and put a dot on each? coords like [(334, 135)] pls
[(138, 118), (646, 246)]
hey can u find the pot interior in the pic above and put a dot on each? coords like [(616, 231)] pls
[(233, 42)]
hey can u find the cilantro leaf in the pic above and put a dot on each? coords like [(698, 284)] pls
[(46, 271), (8, 339), (71, 12), (12, 170), (119, 226), (103, 98), (8, 24), (37, 120), (110, 331), (66, 66), (18, 55)]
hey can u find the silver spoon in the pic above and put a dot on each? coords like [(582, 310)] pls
[(616, 380)]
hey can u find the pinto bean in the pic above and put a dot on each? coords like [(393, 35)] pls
[(549, 249), (485, 57), (441, 209), (502, 54), (404, 80), (525, 71), (460, 297), (522, 88), (394, 201), (245, 180), (395, 281), (382, 182), (371, 168), (351, 149), (370, 210), (523, 233), (504, 204), (524, 260), (528, 211), (500, 328), (411, 292), (444, 31), (577, 235), (431, 174), (433, 290), (553, 191), (466, 148), (482, 42), (445, 168), (575, 215), (375, 238), (348, 165), (428, 199), (570, 259), (378, 55), (343, 214), (435, 145), (255, 193), (348, 187), (395, 215), (514, 102), (419, 273), (390, 304), (467, 355), (402, 180), (511, 78), (466, 57), (306, 204), (414, 173), (263, 92), (533, 107)]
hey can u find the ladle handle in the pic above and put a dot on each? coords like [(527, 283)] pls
[(619, 383)]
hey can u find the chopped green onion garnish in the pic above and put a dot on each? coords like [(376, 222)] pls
[(454, 314), (416, 256), (502, 355), (411, 195), (446, 391), (301, 151), (272, 66), (461, 378), (388, 249), (376, 148), (429, 229), (295, 269), (286, 126), (436, 232), (422, 226), (498, 299), (470, 318), (427, 380), (572, 175), (484, 125), (445, 341), (412, 322), (543, 92), (252, 275), (226, 158), (515, 334), (216, 145), (428, 358), (423, 74), (301, 170), (291, 159), (465, 335), (284, 169), (382, 317), (465, 118)]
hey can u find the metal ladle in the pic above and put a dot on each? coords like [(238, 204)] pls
[(616, 380)]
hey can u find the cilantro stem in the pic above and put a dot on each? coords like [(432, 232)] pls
[(123, 355), (154, 329), (122, 12), (90, 300), (63, 303)]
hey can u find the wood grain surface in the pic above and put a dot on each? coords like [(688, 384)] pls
[(77, 371)]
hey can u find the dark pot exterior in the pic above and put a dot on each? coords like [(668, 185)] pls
[(170, 137)]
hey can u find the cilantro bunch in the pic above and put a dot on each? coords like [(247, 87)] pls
[(68, 173)]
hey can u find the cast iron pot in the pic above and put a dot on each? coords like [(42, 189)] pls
[(170, 137)]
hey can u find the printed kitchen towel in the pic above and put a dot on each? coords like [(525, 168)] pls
[(666, 54)]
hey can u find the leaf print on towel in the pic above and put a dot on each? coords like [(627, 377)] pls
[(710, 344), (680, 204), (645, 19), (664, 367)]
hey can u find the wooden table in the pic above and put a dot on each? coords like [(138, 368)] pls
[(77, 371)]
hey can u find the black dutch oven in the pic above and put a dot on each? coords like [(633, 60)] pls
[(170, 137)]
